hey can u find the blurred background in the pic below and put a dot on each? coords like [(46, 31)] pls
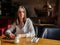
[(40, 12)]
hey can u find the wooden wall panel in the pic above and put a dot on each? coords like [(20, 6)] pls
[(59, 14)]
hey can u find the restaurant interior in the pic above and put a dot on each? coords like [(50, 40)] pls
[(45, 14)]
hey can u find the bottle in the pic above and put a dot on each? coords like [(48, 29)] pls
[(0, 32), (39, 21)]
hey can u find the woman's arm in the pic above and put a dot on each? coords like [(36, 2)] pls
[(9, 30), (31, 29)]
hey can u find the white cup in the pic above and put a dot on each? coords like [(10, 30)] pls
[(17, 39)]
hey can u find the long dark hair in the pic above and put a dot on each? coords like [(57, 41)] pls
[(16, 20)]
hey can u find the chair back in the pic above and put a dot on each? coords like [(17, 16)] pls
[(51, 33)]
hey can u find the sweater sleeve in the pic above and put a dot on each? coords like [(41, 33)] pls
[(9, 30), (31, 29)]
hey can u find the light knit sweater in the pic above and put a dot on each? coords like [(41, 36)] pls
[(27, 29)]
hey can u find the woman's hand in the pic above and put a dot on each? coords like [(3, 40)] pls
[(11, 35)]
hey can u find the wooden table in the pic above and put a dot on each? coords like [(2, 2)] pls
[(26, 41), (44, 25)]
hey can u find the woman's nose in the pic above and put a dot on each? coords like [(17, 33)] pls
[(21, 13)]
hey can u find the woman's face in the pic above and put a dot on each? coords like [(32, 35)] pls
[(21, 13)]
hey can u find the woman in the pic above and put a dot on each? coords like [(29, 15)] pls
[(23, 25)]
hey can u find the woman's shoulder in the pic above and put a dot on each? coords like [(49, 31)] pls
[(28, 19)]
